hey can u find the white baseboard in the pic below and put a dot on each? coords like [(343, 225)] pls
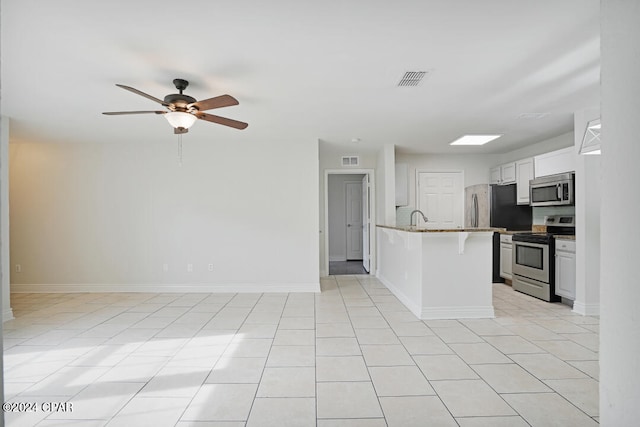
[(432, 313), (337, 258), (168, 288), (586, 309), (413, 306), (7, 315)]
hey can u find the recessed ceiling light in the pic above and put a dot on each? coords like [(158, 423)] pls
[(474, 139)]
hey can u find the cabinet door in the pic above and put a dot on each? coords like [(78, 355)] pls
[(566, 274), (508, 173), (506, 253), (559, 161), (524, 173), (495, 175)]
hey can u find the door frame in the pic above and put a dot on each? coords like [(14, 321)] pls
[(417, 187), (372, 213)]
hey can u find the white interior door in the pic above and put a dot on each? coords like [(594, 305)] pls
[(440, 197), (354, 220), (366, 224)]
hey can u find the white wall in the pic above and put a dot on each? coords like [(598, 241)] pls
[(5, 269), (386, 186), (475, 167), (545, 146), (588, 201), (337, 215), (108, 216), (620, 234)]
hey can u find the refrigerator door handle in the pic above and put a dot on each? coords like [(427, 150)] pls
[(474, 213)]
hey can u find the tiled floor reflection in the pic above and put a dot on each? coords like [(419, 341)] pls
[(349, 356)]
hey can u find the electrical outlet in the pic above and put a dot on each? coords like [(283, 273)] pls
[(165, 267), (210, 267), (189, 268), (18, 268)]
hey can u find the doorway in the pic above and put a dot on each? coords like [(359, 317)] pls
[(348, 239)]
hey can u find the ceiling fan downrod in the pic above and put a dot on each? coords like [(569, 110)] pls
[(180, 84)]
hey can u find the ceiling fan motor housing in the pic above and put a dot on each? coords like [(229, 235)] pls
[(179, 101)]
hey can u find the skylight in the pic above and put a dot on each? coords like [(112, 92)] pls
[(474, 139)]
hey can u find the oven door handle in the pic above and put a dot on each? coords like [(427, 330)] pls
[(559, 191)]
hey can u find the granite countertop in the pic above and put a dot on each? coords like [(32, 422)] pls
[(565, 237), (512, 232), (415, 229)]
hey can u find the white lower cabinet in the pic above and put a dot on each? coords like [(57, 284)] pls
[(566, 269), (506, 256)]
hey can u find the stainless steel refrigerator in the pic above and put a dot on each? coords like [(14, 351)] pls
[(495, 206)]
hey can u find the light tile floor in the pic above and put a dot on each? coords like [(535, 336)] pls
[(349, 356)]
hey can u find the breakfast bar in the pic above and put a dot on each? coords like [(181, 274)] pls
[(438, 273)]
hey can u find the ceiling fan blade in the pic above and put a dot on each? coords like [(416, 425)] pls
[(221, 120), (117, 113), (217, 102), (136, 91)]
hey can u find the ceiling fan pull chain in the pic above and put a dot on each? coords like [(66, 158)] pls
[(180, 150)]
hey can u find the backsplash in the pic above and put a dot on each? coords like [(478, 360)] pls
[(540, 212), (403, 215)]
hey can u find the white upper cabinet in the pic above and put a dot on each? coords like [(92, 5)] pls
[(496, 175), (508, 173), (402, 184), (503, 174), (559, 161), (524, 173)]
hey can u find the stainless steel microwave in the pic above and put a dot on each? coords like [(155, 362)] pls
[(552, 190)]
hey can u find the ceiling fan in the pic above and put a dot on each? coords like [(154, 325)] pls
[(183, 110)]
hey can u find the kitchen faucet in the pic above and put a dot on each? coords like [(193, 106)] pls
[(420, 212)]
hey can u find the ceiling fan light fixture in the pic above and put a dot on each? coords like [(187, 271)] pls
[(179, 119)]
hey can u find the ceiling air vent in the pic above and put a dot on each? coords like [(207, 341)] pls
[(412, 78), (350, 160)]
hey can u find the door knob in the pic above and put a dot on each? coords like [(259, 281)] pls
[(348, 225)]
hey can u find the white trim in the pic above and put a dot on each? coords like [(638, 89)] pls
[(7, 315), (167, 288), (337, 258), (372, 214), (586, 309), (431, 313)]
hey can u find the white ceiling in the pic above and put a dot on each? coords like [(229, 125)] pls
[(303, 70)]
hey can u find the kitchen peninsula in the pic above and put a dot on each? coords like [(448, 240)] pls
[(438, 274)]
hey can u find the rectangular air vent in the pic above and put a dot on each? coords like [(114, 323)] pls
[(350, 160), (412, 78)]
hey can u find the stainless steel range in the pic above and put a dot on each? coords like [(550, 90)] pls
[(533, 258)]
